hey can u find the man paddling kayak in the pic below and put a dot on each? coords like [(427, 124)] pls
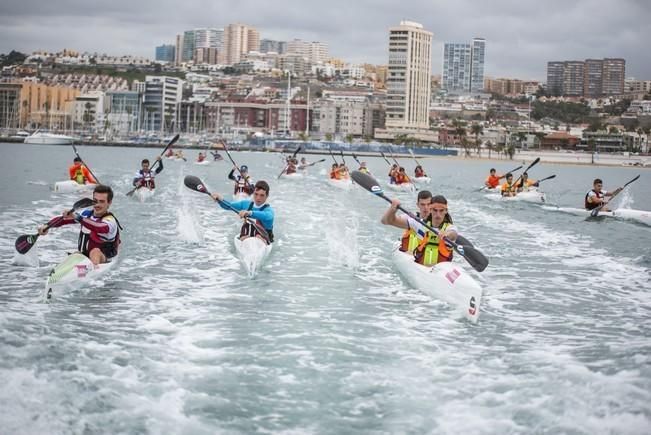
[(493, 179), (80, 173), (419, 172), (256, 209), (596, 197), (410, 240), (99, 238), (525, 183), (508, 189), (401, 176), (243, 182), (430, 249), (144, 177), (363, 168)]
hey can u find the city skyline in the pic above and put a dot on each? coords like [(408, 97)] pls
[(522, 40)]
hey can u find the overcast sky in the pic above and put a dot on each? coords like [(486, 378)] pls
[(522, 35)]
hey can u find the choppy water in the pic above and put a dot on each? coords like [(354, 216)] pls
[(328, 338)]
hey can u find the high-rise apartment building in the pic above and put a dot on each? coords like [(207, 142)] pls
[(161, 102), (165, 53), (463, 66), (408, 81), (592, 78), (314, 52), (614, 73), (555, 78), (208, 38), (238, 40), (270, 45), (187, 51)]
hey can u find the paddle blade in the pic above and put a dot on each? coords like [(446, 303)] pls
[(173, 141), (195, 183), (595, 212), (25, 242), (367, 182), (474, 257), (83, 203)]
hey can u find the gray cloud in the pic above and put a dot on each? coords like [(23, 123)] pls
[(521, 35)]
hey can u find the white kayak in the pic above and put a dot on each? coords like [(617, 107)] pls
[(142, 194), (402, 187), (203, 162), (639, 216), (446, 281), (70, 186), (73, 272), (422, 180), (527, 196), (252, 252), (292, 176), (343, 183), (240, 196)]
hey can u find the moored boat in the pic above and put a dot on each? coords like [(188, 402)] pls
[(73, 272), (445, 281), (42, 138), (252, 252)]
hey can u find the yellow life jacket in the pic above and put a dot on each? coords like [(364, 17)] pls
[(431, 250), (409, 240), (79, 175)]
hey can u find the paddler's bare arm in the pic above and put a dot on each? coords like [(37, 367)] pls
[(390, 218)]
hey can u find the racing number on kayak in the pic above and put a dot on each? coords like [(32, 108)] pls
[(472, 308), (82, 270)]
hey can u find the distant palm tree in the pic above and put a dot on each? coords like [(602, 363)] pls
[(477, 129)]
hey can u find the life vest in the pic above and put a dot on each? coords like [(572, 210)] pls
[(431, 250), (242, 185), (593, 205), (506, 187), (334, 174), (248, 229), (493, 181), (363, 169), (88, 240), (147, 179), (77, 174), (401, 178), (409, 240), (290, 169)]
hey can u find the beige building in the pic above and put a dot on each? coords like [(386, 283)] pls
[(239, 39), (408, 83), (32, 105)]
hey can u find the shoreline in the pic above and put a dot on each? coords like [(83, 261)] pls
[(549, 157)]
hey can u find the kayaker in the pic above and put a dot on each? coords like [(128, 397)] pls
[(144, 177), (343, 171), (430, 249), (401, 176), (243, 182), (256, 209), (179, 155), (493, 179), (525, 183), (201, 157), (334, 171), (363, 168), (303, 164), (508, 189), (291, 166), (216, 155), (410, 240), (169, 153), (392, 173), (597, 196), (419, 172), (99, 238), (80, 173)]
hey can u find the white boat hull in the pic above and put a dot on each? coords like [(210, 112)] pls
[(292, 176), (203, 162), (422, 180), (533, 196), (344, 183), (252, 252), (70, 186), (639, 216), (142, 194), (402, 187), (49, 139), (73, 272), (446, 281)]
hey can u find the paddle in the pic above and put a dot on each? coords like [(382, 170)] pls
[(25, 242), (535, 162), (169, 144), (414, 157), (74, 148), (332, 155), (194, 183), (393, 157), (235, 164), (546, 178), (356, 159), (313, 163), (287, 165), (385, 158), (472, 255), (595, 211)]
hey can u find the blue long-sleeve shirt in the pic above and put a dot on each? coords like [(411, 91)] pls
[(265, 217)]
